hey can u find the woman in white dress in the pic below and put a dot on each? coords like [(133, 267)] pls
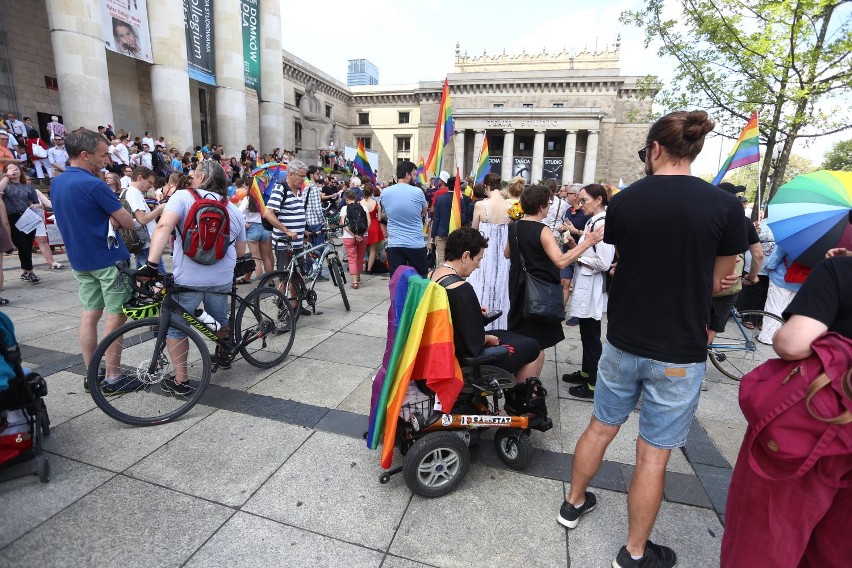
[(491, 279)]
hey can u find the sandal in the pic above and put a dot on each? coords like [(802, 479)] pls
[(57, 266), (355, 285), (243, 281), (4, 302), (33, 278)]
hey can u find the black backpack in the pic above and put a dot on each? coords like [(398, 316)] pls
[(356, 219)]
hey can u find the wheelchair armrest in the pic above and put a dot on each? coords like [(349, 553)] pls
[(491, 316), (487, 355)]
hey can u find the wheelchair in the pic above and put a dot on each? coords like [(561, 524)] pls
[(436, 445)]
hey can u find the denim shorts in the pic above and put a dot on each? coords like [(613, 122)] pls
[(669, 394), (255, 233), (214, 304)]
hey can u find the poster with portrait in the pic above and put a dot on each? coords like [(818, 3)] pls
[(522, 167), (125, 28), (552, 169)]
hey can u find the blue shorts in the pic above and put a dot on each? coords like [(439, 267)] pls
[(567, 273), (669, 393), (255, 233), (214, 304)]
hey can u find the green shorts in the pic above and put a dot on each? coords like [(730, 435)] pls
[(102, 289)]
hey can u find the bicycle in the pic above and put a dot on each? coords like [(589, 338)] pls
[(736, 351), (291, 279), (262, 329)]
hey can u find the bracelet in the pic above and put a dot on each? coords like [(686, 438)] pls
[(150, 264)]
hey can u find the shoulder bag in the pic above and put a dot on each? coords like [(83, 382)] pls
[(542, 300)]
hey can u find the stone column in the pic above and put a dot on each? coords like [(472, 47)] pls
[(169, 77), (271, 77), (570, 152), (508, 154), (538, 157), (458, 153), (81, 66), (478, 137), (230, 78), (591, 157)]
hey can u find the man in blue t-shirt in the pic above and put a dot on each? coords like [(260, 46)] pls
[(405, 206), (85, 208)]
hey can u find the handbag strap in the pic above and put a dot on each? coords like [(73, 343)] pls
[(520, 250), (817, 385)]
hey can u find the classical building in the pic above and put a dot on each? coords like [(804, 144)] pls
[(219, 74)]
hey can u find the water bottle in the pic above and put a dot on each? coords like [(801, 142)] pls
[(207, 319)]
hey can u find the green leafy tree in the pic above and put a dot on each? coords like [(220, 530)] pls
[(790, 60), (839, 157)]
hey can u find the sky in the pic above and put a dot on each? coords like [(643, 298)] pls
[(396, 36)]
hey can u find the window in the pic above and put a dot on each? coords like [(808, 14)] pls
[(367, 141), (525, 143), (328, 111), (363, 118), (527, 105), (553, 144), (297, 131), (404, 117), (498, 105), (403, 144), (558, 105), (299, 98)]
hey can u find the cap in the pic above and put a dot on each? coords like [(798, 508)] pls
[(444, 176), (731, 188)]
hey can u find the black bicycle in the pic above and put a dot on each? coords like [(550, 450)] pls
[(298, 283), (161, 378)]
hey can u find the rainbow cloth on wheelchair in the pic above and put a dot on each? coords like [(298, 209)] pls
[(419, 345)]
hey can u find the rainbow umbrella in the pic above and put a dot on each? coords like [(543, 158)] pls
[(810, 214)]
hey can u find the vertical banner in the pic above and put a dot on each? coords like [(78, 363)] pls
[(552, 169), (125, 28), (522, 167), (251, 44), (198, 20), (496, 164)]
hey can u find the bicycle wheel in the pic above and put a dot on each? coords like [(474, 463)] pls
[(278, 280), (144, 363), (336, 270), (264, 320), (335, 237), (736, 351)]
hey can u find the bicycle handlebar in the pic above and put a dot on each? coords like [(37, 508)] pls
[(148, 289)]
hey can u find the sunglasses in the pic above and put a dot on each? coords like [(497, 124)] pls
[(642, 153)]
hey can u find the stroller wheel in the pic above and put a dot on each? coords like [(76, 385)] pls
[(514, 447), (43, 469), (436, 464), (384, 478)]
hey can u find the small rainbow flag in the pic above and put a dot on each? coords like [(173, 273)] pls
[(484, 165), (456, 210), (746, 150), (421, 173), (362, 163), (256, 194), (443, 132)]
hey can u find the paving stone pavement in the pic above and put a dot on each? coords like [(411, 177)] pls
[(270, 468)]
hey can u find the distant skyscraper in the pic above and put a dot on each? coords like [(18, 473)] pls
[(362, 72)]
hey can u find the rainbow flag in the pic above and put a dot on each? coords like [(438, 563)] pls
[(443, 132), (362, 163), (746, 150), (456, 210), (419, 346), (421, 173), (484, 165), (256, 193)]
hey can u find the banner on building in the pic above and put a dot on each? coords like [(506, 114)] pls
[(522, 167), (552, 169), (496, 163), (251, 44), (125, 28), (198, 20)]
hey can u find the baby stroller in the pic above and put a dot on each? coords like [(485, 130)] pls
[(23, 414)]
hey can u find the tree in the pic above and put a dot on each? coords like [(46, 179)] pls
[(839, 157), (789, 60)]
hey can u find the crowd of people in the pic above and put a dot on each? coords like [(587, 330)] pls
[(664, 259)]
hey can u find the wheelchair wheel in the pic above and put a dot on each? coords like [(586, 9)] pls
[(436, 464), (514, 447)]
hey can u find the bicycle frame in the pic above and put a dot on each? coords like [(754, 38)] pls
[(749, 344)]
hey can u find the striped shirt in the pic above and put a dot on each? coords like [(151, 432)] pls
[(291, 214)]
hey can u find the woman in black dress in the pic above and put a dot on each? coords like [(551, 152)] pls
[(543, 259)]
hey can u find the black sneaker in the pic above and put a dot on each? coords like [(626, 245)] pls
[(575, 378), (222, 359), (305, 312), (101, 373), (582, 391), (569, 515), (572, 322), (125, 383), (655, 556), (169, 385)]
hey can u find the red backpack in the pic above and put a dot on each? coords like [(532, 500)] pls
[(800, 411), (206, 230)]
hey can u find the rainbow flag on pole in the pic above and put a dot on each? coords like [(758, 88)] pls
[(421, 173), (362, 163), (484, 166), (456, 209), (256, 195), (746, 150), (443, 132)]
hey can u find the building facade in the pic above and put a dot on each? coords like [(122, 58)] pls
[(568, 116), (361, 72)]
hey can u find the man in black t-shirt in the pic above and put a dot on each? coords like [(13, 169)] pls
[(677, 238)]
